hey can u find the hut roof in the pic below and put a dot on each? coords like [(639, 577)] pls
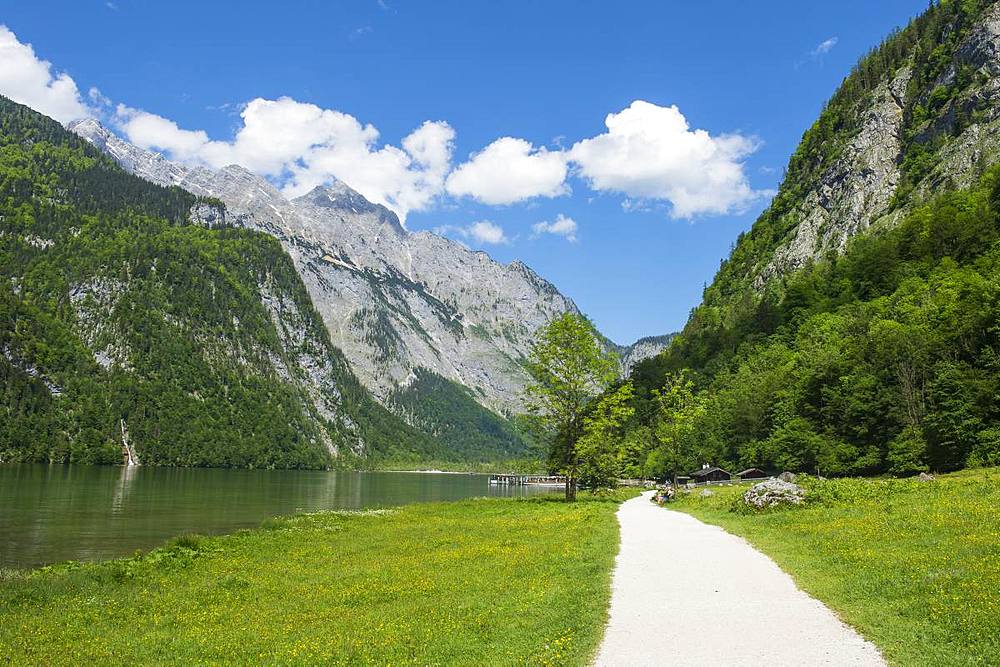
[(750, 471), (708, 471)]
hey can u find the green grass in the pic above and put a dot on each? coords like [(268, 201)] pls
[(484, 581), (914, 566)]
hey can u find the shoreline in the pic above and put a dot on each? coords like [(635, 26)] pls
[(369, 587)]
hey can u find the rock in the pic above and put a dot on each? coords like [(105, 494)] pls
[(773, 493), (706, 493), (207, 215), (788, 476), (854, 190), (642, 349), (925, 477)]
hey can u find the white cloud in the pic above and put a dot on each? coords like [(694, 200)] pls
[(98, 100), (27, 79), (650, 152), (487, 232), (824, 47), (562, 226), (483, 232), (302, 145), (510, 170)]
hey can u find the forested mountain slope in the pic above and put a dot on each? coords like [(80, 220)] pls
[(130, 308), (853, 328), (917, 116), (412, 312)]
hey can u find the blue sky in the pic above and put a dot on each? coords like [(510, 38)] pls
[(648, 230)]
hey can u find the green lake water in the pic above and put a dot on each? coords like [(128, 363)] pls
[(55, 513)]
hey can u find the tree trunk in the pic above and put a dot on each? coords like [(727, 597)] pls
[(570, 488)]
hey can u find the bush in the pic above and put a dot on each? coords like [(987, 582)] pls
[(907, 452), (847, 491), (987, 449)]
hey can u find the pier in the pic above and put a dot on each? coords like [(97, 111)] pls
[(508, 479)]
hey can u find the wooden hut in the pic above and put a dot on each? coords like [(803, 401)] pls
[(752, 473), (710, 474)]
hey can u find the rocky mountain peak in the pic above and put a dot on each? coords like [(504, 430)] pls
[(91, 130), (338, 195), (336, 204), (395, 302)]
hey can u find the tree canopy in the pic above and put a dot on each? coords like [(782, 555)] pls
[(569, 369)]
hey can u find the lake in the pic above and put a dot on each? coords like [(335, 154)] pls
[(53, 513)]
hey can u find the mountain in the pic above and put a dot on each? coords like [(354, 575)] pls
[(139, 317), (917, 116), (412, 312), (644, 348), (853, 329)]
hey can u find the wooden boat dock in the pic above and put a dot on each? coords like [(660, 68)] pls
[(527, 480)]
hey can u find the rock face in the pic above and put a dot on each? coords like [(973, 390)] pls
[(393, 301), (860, 187), (642, 349), (855, 189)]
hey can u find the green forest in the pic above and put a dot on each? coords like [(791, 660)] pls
[(884, 359), (880, 359), (114, 306), (450, 413)]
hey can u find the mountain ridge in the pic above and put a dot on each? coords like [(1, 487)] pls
[(916, 115), (130, 307), (394, 301), (852, 328)]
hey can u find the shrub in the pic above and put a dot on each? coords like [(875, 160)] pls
[(987, 449), (907, 452)]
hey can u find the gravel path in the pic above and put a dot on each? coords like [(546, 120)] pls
[(687, 593)]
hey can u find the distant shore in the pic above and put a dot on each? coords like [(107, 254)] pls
[(438, 472)]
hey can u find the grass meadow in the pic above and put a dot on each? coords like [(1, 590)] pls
[(914, 566), (484, 581)]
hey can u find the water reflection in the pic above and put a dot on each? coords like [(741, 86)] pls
[(121, 491), (55, 513)]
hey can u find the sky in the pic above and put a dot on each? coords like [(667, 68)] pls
[(618, 148)]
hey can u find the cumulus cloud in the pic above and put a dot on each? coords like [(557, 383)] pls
[(303, 145), (650, 152), (562, 226), (29, 80), (824, 47), (483, 232), (510, 170), (487, 232)]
